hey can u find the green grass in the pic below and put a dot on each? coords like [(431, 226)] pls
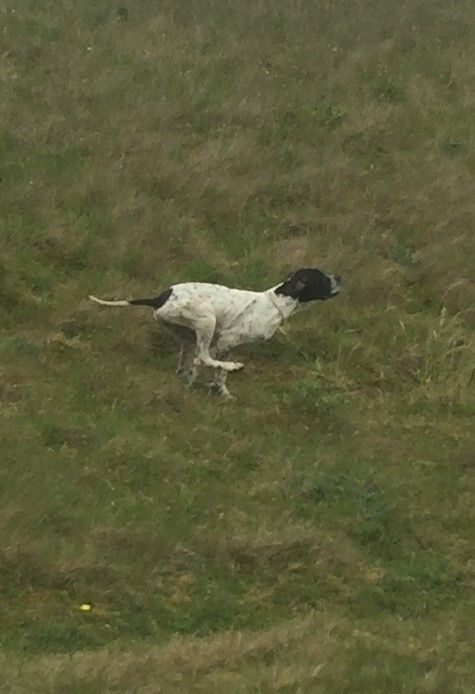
[(314, 535)]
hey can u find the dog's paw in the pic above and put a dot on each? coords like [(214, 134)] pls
[(221, 390), (232, 366)]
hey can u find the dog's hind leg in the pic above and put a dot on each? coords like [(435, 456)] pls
[(200, 318), (181, 359), (205, 328), (185, 367), (187, 351)]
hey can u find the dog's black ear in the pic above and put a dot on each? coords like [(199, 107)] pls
[(294, 285)]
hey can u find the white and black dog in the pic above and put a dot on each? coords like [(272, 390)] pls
[(211, 319)]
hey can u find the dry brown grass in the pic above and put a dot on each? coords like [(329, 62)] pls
[(300, 655)]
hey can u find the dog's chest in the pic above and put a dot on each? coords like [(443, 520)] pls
[(256, 319), (247, 320)]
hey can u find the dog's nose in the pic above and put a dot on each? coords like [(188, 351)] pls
[(335, 284)]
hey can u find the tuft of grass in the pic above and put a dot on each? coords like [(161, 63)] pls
[(389, 90)]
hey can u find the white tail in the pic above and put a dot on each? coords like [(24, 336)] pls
[(109, 303)]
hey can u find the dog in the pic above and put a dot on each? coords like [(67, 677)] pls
[(211, 319)]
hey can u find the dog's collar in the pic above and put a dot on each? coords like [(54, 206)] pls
[(276, 305)]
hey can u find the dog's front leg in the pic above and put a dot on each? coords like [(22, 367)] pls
[(218, 384)]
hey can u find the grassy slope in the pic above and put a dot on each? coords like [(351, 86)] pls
[(313, 536)]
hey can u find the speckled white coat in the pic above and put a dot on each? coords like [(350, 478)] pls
[(228, 317)]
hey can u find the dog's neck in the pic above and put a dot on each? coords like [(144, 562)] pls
[(284, 305)]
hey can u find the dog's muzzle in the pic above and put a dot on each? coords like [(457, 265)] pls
[(335, 284)]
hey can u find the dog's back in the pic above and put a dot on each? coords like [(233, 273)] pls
[(225, 303)]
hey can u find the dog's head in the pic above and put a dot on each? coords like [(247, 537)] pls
[(309, 284)]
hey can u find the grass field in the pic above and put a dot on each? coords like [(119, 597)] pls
[(314, 535)]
